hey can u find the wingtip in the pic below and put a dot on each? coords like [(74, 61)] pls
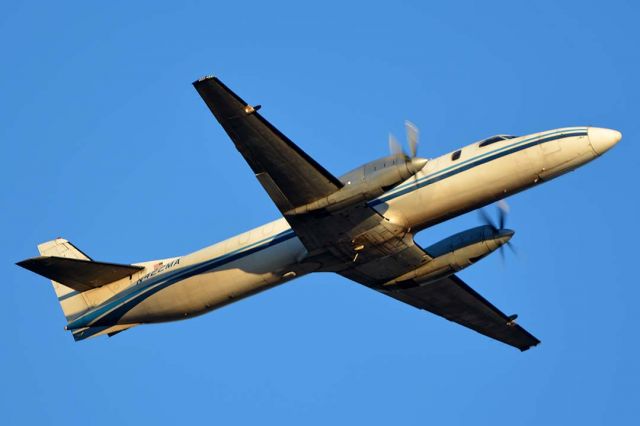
[(204, 78), (24, 262), (526, 348)]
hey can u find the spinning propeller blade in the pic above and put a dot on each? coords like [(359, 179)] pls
[(412, 138), (503, 211), (487, 219), (412, 141), (394, 146)]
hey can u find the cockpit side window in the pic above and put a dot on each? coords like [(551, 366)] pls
[(456, 155), (490, 141), (495, 139)]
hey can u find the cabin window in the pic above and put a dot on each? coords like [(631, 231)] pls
[(456, 155)]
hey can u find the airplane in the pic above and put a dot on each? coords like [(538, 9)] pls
[(360, 225)]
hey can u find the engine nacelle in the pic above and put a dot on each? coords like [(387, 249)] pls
[(453, 254), (366, 183)]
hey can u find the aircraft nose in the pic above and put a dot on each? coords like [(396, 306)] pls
[(603, 140)]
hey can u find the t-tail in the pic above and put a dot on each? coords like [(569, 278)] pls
[(80, 283)]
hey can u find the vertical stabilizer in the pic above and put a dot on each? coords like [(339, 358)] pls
[(71, 301)]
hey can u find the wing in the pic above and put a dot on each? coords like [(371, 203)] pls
[(450, 297), (288, 174), (454, 300)]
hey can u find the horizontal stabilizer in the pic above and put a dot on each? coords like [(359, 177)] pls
[(78, 274)]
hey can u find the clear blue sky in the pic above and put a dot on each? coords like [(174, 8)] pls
[(106, 143)]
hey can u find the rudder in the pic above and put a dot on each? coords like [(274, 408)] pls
[(71, 301)]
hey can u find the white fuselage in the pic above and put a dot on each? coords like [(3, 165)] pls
[(268, 255)]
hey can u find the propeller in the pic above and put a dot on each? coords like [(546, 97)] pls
[(503, 211), (413, 163), (412, 140)]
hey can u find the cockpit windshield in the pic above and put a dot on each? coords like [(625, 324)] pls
[(494, 139)]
